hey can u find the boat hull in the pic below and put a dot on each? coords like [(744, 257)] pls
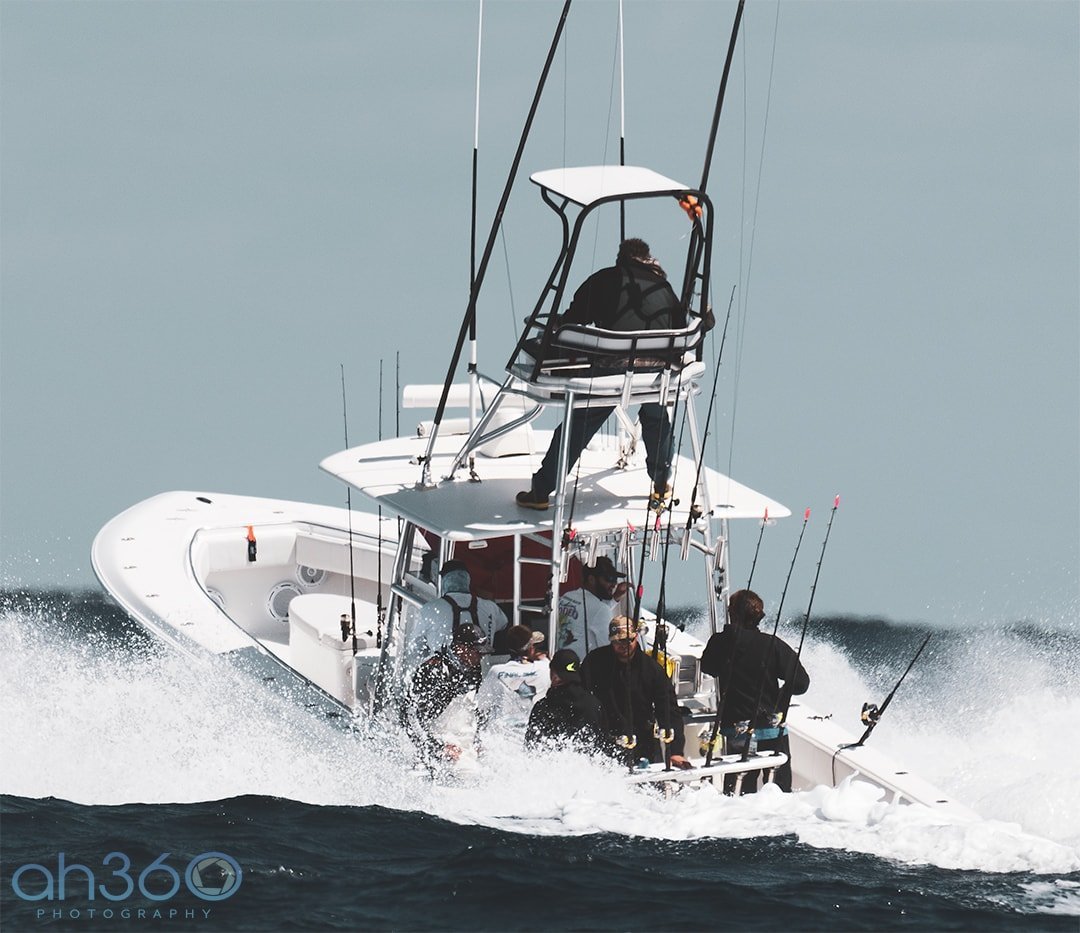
[(180, 564)]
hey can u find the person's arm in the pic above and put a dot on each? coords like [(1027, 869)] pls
[(714, 657), (668, 715), (792, 673)]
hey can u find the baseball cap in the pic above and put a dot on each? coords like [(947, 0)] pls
[(605, 569), (622, 627), (565, 663)]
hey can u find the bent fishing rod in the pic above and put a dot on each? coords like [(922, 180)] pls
[(871, 713)]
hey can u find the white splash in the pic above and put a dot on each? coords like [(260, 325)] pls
[(94, 723)]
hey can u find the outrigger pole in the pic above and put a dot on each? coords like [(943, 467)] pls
[(622, 122), (871, 714), (473, 377), (470, 312), (697, 238), (720, 97)]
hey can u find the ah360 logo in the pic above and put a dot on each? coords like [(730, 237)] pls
[(210, 876)]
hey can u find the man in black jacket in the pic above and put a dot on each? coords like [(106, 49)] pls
[(634, 294), (568, 712), (749, 666), (625, 679)]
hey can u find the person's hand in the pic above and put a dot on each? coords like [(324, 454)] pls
[(678, 761), (620, 590), (451, 751)]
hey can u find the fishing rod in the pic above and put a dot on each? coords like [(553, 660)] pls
[(871, 713), (708, 418), (348, 625), (723, 695), (761, 534), (817, 573), (772, 641), (470, 311), (380, 608)]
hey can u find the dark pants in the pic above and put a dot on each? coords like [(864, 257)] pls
[(655, 432), (781, 775)]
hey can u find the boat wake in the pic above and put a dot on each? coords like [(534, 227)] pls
[(97, 714)]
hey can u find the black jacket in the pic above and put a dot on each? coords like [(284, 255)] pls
[(567, 711), (747, 663), (651, 695), (634, 296)]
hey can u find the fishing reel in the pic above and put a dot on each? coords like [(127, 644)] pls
[(774, 720), (742, 727), (667, 736), (626, 741), (716, 745), (346, 627), (870, 714)]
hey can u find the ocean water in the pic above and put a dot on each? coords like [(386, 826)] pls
[(141, 766)]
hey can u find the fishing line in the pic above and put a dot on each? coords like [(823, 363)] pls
[(509, 283), (745, 297)]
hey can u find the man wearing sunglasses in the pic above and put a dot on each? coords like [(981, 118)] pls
[(637, 697)]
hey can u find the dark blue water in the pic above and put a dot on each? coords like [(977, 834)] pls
[(307, 867), (323, 865)]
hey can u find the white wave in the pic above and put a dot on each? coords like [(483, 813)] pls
[(95, 723)]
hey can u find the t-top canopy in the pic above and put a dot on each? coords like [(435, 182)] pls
[(589, 183)]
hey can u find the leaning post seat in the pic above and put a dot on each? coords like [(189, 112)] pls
[(595, 363)]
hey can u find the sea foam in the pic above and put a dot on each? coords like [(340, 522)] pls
[(97, 721)]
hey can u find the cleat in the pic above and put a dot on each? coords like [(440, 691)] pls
[(530, 500)]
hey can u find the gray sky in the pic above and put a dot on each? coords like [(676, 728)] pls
[(207, 207)]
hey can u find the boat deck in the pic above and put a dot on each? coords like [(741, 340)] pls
[(462, 509)]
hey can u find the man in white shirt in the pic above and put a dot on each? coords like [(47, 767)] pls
[(586, 613), (433, 626), (508, 690)]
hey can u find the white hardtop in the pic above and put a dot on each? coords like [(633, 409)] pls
[(589, 183), (463, 510)]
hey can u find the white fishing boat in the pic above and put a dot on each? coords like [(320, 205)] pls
[(318, 601)]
